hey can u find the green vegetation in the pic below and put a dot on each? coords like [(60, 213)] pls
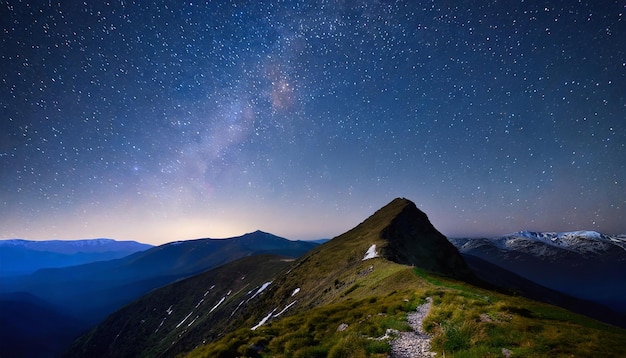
[(175, 318), (352, 328), (465, 321)]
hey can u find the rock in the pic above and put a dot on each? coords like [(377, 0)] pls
[(414, 344)]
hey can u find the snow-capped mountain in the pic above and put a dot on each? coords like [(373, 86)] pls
[(583, 264), (552, 244)]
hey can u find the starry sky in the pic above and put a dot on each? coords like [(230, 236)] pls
[(170, 120)]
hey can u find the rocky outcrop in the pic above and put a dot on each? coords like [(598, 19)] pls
[(411, 239)]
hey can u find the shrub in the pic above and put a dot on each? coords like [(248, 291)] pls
[(375, 346), (348, 347), (458, 336)]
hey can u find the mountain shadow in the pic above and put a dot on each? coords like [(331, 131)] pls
[(31, 327), (410, 239)]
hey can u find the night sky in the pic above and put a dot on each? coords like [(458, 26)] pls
[(176, 120)]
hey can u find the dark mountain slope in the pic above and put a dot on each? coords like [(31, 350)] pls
[(176, 317), (26, 320), (582, 264), (410, 239), (514, 283)]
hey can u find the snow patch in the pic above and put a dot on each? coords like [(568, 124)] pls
[(190, 323), (371, 253), (169, 310), (219, 303), (209, 290), (236, 308), (261, 289), (262, 322), (184, 319), (286, 308), (295, 291), (163, 320)]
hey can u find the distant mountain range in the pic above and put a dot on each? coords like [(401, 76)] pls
[(585, 265), (89, 292), (346, 297), (21, 257)]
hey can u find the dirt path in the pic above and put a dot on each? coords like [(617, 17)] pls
[(414, 344)]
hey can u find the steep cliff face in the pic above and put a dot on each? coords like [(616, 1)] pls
[(409, 238)]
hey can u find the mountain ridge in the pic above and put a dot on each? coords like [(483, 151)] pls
[(355, 282), (93, 291), (338, 270)]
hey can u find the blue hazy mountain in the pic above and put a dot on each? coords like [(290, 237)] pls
[(20, 257)]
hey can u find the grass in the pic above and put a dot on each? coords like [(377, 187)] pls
[(471, 322), (465, 321), (316, 333)]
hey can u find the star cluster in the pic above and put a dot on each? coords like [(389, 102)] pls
[(174, 120)]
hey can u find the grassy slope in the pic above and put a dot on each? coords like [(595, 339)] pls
[(370, 296), (465, 321)]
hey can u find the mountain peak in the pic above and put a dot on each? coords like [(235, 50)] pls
[(409, 238)]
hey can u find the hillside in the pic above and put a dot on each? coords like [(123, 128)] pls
[(94, 290), (586, 266), (347, 296), (174, 318), (86, 294)]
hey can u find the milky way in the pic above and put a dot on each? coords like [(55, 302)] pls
[(175, 120)]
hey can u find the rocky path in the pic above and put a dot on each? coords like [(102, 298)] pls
[(414, 344)]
